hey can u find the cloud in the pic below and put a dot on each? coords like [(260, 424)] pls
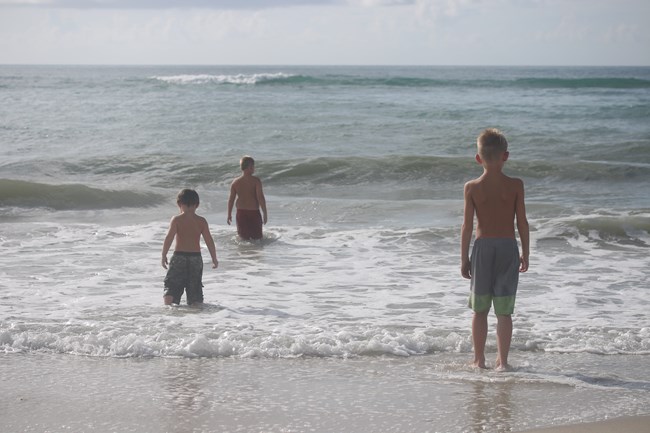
[(211, 4), (373, 3), (324, 32), (165, 4), (622, 33), (568, 29)]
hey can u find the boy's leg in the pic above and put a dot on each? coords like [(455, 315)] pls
[(479, 336), (174, 281), (504, 337), (194, 289), (505, 288)]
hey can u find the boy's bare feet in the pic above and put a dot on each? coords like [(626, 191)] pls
[(479, 363), (499, 367)]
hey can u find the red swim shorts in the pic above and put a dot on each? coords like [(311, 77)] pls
[(249, 224)]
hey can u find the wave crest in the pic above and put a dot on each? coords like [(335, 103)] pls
[(341, 343), (24, 194), (241, 79), (281, 78), (630, 230)]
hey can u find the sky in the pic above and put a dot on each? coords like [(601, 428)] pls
[(325, 32)]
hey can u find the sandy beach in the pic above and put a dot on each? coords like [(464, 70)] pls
[(636, 424), (52, 393)]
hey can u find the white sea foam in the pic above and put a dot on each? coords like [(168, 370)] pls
[(222, 78), (306, 291)]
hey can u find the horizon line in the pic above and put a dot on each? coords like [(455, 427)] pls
[(415, 65)]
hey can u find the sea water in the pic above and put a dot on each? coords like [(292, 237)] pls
[(363, 170)]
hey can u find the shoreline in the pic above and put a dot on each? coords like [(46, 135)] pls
[(434, 393)]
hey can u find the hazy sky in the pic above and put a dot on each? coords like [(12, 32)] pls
[(360, 32)]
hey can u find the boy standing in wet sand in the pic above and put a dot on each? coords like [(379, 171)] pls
[(186, 267), (497, 200), (247, 189)]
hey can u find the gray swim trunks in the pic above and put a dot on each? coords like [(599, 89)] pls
[(185, 273), (495, 275)]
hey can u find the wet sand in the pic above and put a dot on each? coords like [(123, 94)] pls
[(633, 424), (436, 393)]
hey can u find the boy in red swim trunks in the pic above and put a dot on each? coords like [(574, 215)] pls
[(497, 201), (247, 190)]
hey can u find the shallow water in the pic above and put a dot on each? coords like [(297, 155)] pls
[(363, 171)]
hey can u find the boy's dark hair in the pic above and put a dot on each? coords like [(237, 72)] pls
[(188, 197), (491, 143), (246, 161)]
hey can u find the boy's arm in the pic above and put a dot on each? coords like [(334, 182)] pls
[(209, 242), (261, 199), (168, 241), (522, 227), (466, 232), (231, 201)]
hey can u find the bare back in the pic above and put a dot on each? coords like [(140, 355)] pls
[(495, 198), (188, 227), (247, 190)]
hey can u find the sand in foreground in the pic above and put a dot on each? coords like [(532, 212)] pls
[(634, 424), (436, 393)]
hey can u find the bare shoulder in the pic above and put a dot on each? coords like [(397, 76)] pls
[(174, 223), (471, 184), (201, 220), (515, 183)]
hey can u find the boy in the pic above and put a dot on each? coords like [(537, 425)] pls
[(247, 189), (186, 266), (497, 200)]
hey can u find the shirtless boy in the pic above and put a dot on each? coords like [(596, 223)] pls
[(186, 267), (497, 200), (247, 190)]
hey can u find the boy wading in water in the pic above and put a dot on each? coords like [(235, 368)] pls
[(186, 267), (497, 201), (247, 189)]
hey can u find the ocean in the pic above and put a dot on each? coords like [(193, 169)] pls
[(363, 171)]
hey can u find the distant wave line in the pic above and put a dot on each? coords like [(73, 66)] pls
[(281, 78), (167, 172), (221, 79)]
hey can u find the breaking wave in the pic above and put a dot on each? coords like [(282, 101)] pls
[(148, 342), (24, 194), (281, 78)]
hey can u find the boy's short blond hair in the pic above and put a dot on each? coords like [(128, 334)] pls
[(491, 144), (246, 161)]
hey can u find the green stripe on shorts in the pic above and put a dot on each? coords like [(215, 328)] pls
[(503, 305), (480, 303)]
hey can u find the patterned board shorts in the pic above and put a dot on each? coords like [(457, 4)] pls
[(185, 273)]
